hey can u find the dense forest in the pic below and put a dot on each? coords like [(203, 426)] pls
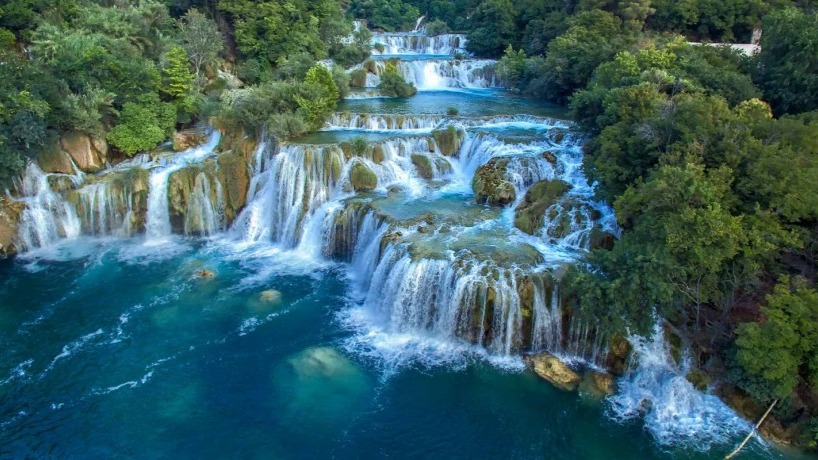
[(709, 157)]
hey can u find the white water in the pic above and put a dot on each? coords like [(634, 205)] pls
[(414, 44), (441, 74), (47, 217), (157, 226), (675, 412)]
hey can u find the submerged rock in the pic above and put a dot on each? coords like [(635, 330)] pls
[(362, 178), (270, 296), (205, 273), (530, 213), (555, 371)]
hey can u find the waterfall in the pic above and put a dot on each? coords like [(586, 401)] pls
[(409, 44), (674, 411), (382, 122), (104, 211), (441, 74), (158, 217), (205, 210), (47, 217)]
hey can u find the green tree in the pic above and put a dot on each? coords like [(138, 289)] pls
[(492, 28), (143, 124), (393, 84), (201, 40), (323, 96), (772, 353), (788, 61)]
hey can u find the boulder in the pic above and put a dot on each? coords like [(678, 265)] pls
[(449, 140), (362, 178), (550, 157), (530, 213), (601, 239), (602, 382), (88, 152), (205, 273), (378, 154), (183, 140), (555, 371), (490, 185), (424, 166), (618, 352), (55, 161)]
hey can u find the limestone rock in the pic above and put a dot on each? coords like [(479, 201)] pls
[(88, 152), (618, 353), (603, 382), (55, 161), (270, 296), (424, 166), (362, 178), (183, 140), (10, 213), (449, 140), (530, 214), (555, 371), (550, 157), (205, 273), (490, 185)]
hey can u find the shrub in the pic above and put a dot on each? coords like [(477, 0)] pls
[(393, 84)]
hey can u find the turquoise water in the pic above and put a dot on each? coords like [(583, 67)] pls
[(117, 349)]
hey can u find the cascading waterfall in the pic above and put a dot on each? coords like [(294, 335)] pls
[(381, 122), (48, 217), (675, 412), (205, 210), (441, 74), (105, 211), (414, 44), (158, 224)]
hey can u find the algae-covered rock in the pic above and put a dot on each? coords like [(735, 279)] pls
[(423, 165), (603, 382), (378, 154), (490, 185), (555, 371), (530, 213), (550, 157), (449, 140), (362, 178), (234, 177), (618, 353)]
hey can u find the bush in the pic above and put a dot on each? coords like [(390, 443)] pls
[(357, 78), (437, 27), (452, 111), (143, 124), (393, 84)]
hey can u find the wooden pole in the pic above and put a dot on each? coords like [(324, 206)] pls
[(752, 432)]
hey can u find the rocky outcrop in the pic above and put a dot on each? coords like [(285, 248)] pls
[(618, 352), (449, 140), (10, 213), (90, 153), (490, 185), (219, 185), (55, 161), (362, 178), (183, 140), (555, 371), (600, 239), (423, 165), (530, 213)]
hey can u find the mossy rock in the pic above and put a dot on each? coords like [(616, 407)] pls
[(555, 371), (449, 140), (53, 160), (424, 166), (378, 155), (530, 213), (490, 185), (362, 178)]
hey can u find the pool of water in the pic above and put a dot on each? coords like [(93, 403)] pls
[(121, 349)]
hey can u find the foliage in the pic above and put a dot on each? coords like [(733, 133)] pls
[(202, 40), (436, 27), (788, 61), (323, 96), (388, 15), (393, 84), (143, 124), (492, 28), (774, 352)]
